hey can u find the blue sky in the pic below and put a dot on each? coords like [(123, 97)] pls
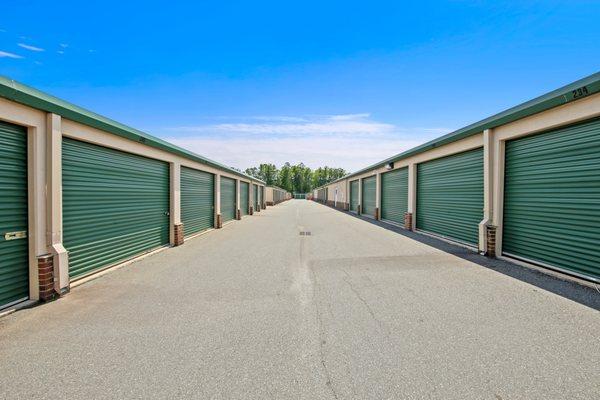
[(340, 83)]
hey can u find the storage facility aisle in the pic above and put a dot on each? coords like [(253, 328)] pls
[(302, 301)]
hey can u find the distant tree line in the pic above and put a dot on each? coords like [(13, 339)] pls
[(295, 178)]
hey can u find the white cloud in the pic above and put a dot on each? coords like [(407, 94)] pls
[(348, 153), (275, 118), (63, 45), (348, 124), (350, 141), (349, 117), (29, 47), (9, 55)]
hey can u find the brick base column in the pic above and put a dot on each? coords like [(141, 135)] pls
[(179, 234), (346, 206), (238, 215), (408, 221), (270, 203), (219, 221), (490, 233), (376, 213), (258, 208), (46, 277), (359, 209), (251, 211)]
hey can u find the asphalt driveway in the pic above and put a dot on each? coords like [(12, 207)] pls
[(257, 311)]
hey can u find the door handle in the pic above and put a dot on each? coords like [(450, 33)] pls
[(15, 235)]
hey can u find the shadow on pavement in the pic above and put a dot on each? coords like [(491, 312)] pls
[(562, 286)]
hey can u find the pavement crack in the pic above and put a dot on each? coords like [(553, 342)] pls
[(359, 296), (322, 341)]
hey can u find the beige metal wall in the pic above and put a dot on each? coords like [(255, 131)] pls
[(493, 142), (336, 194), (269, 194), (45, 133), (37, 136), (577, 111)]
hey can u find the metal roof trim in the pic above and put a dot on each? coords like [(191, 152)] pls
[(23, 94), (555, 98)]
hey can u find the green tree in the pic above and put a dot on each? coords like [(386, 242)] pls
[(306, 181), (324, 175), (336, 173), (285, 177), (268, 173), (295, 178), (253, 171)]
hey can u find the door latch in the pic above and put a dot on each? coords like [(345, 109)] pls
[(15, 235)]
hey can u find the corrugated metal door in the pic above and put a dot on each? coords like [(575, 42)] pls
[(197, 200), (115, 205), (394, 195), (14, 264), (255, 190), (354, 196), (368, 196), (450, 196), (552, 199), (244, 207), (228, 200)]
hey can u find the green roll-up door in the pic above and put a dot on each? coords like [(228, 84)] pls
[(244, 207), (450, 196), (197, 200), (354, 196), (255, 191), (394, 195), (228, 200), (368, 196), (552, 199), (14, 263), (115, 205)]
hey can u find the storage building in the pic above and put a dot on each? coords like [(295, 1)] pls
[(80, 193), (522, 184), (275, 195)]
